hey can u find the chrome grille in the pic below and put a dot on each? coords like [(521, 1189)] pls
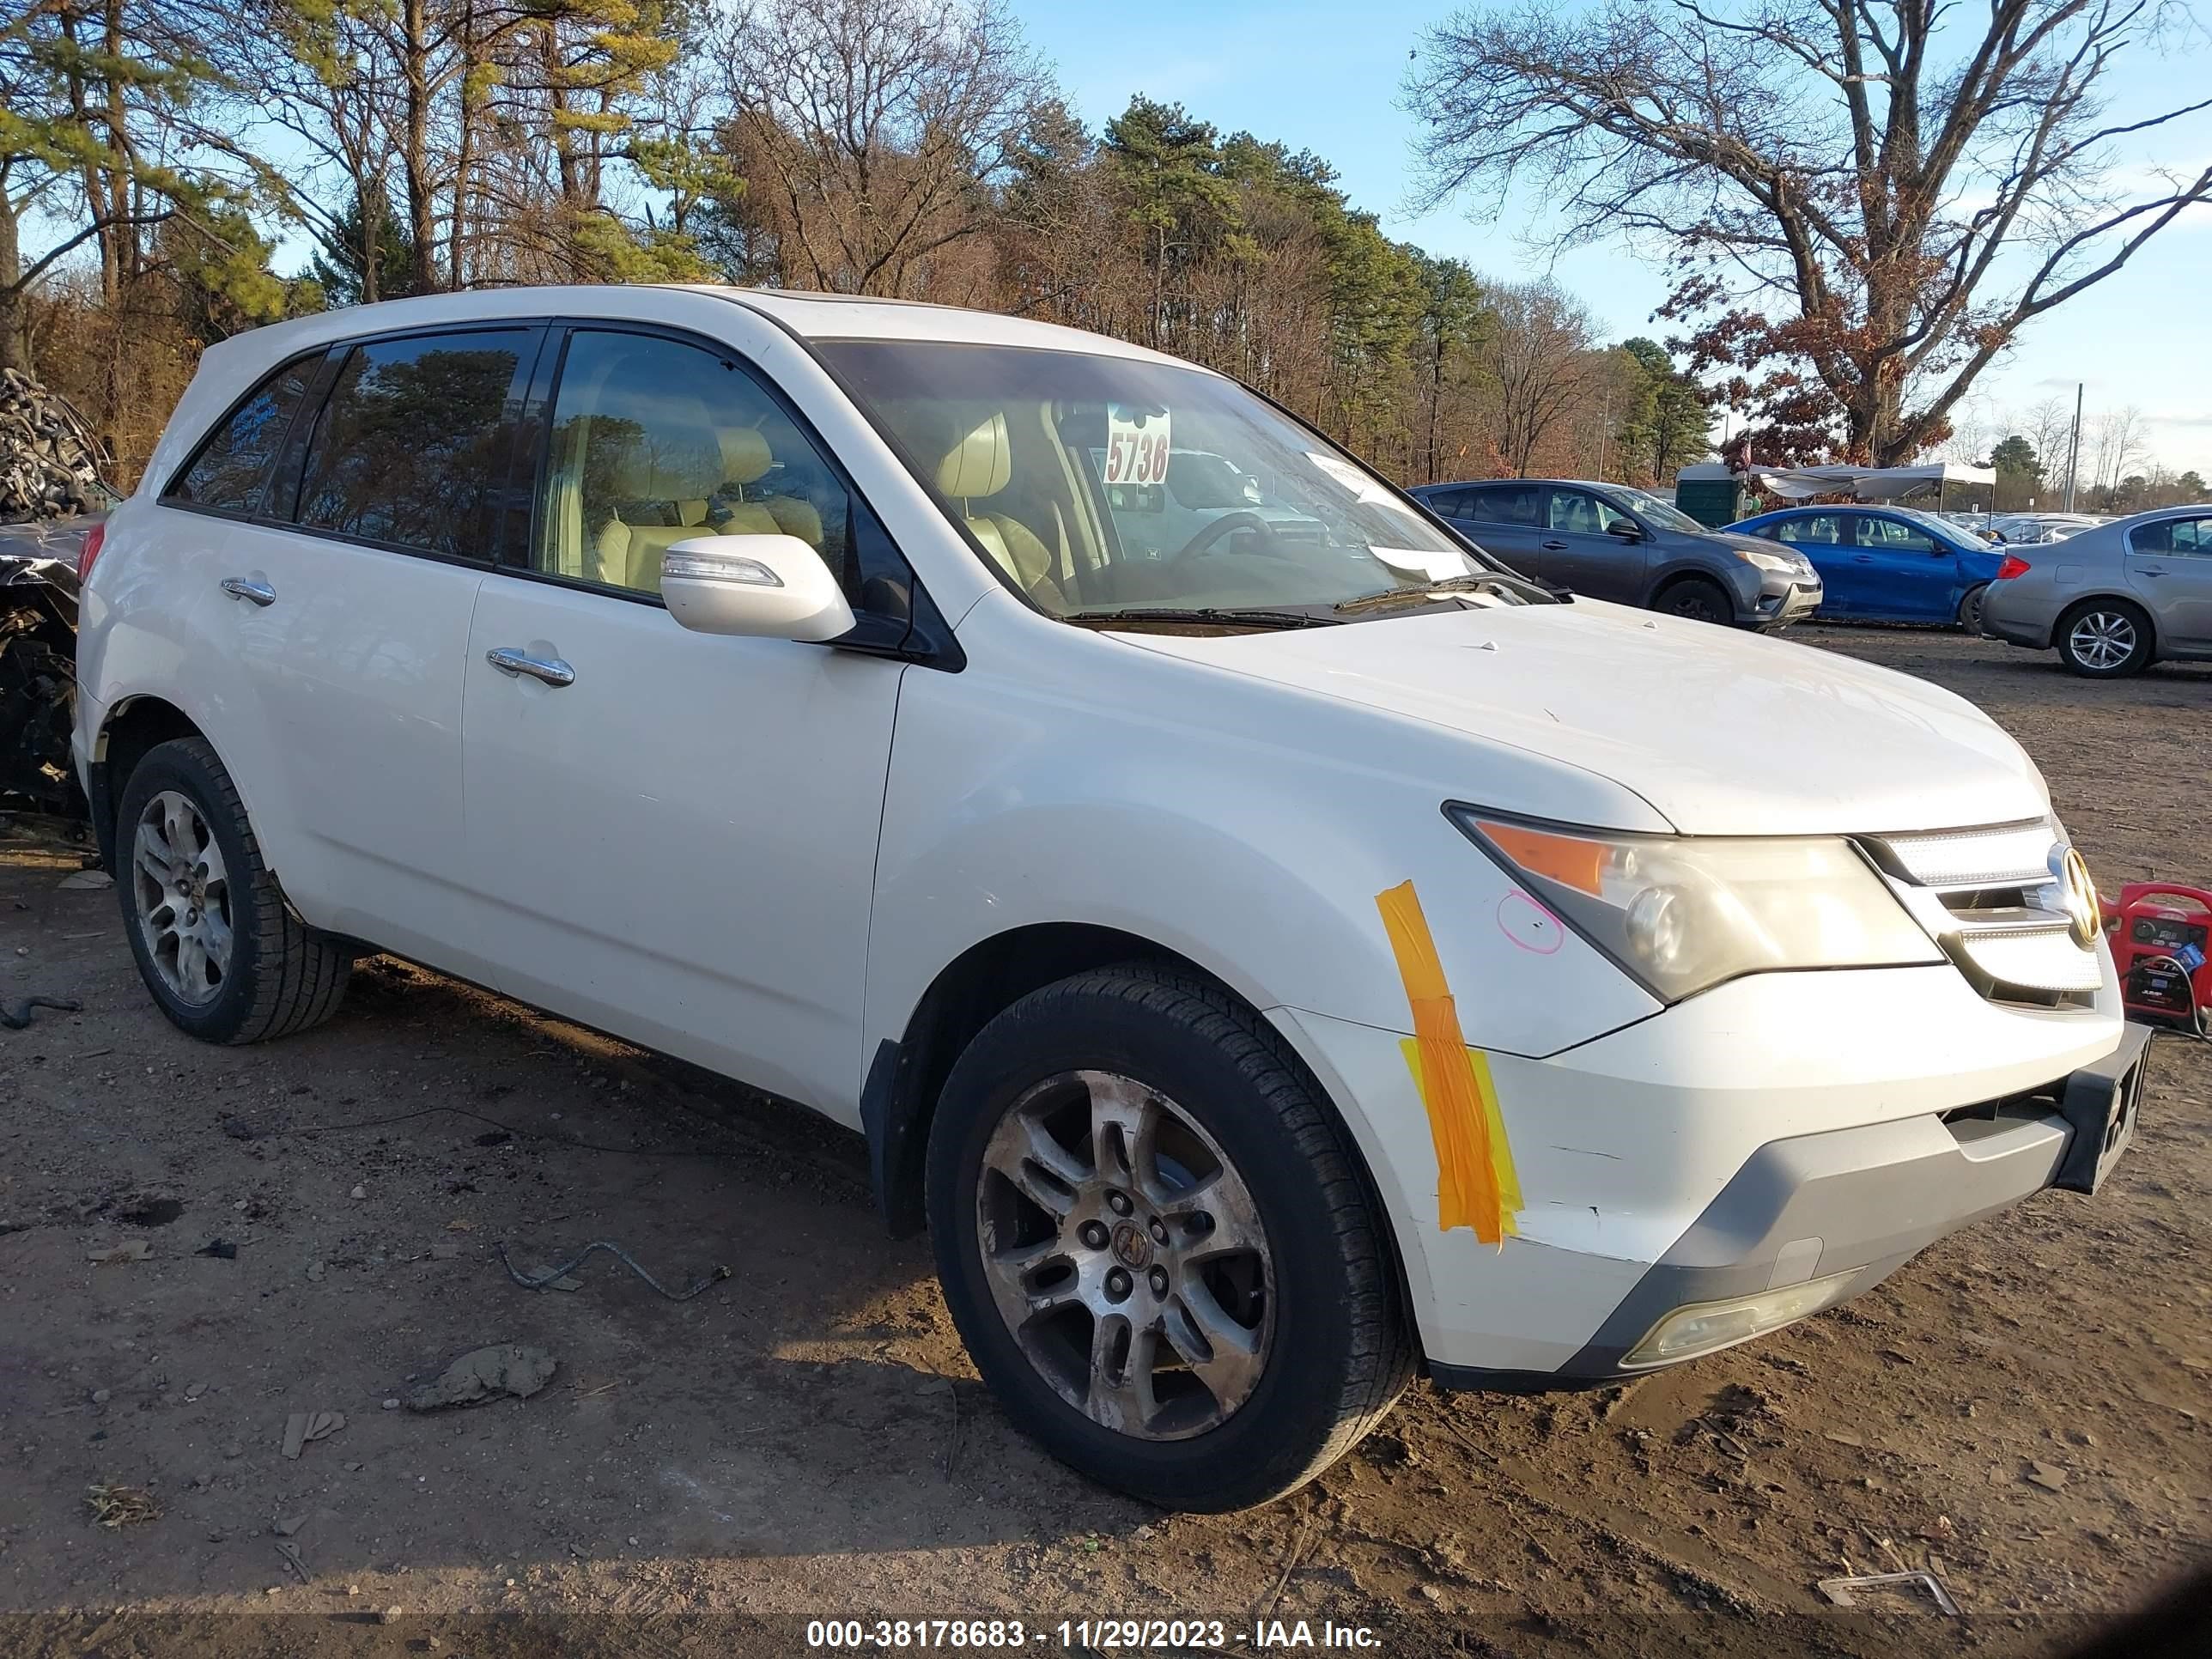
[(1996, 900)]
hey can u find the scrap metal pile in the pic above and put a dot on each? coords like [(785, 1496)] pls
[(50, 461), (51, 493)]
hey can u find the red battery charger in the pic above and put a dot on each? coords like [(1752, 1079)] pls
[(2162, 946)]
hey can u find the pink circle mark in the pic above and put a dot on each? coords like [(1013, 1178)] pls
[(1529, 925)]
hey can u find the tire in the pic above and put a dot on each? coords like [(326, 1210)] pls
[(1697, 598), (1969, 609), (222, 956), (2104, 639), (1302, 1348)]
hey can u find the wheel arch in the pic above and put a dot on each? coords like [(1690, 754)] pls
[(2109, 596), (134, 725), (1674, 576), (907, 1074)]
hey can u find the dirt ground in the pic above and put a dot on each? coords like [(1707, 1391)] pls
[(2024, 1408)]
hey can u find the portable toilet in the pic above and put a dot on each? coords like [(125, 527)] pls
[(1709, 493)]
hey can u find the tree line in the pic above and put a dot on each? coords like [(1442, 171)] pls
[(159, 159)]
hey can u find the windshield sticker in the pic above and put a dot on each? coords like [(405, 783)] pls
[(1136, 444), (1434, 565)]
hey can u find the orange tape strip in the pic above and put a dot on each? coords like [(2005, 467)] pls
[(1476, 1184)]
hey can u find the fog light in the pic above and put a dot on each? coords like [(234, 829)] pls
[(1703, 1326)]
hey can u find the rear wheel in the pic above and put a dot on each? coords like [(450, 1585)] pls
[(224, 958), (1969, 609), (1698, 599), (2104, 639), (1156, 1245)]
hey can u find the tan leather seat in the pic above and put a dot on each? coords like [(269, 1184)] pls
[(681, 469), (977, 468), (747, 458)]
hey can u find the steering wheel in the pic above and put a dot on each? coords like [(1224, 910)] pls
[(1228, 525)]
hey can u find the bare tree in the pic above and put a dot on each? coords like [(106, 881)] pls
[(2048, 426), (869, 127), (1538, 354), (2117, 444), (1865, 200)]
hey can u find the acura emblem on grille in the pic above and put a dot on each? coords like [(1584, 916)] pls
[(2078, 894)]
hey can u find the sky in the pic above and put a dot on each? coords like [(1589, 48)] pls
[(1326, 77)]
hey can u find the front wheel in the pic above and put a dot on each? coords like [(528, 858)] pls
[(1699, 600), (1157, 1245), (2104, 640)]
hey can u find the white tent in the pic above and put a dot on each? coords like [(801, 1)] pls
[(1867, 484)]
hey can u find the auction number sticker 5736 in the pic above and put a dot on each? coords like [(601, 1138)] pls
[(1136, 444)]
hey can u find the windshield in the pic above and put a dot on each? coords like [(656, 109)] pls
[(1101, 484), (1663, 513)]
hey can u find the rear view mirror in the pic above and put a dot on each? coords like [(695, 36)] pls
[(773, 587)]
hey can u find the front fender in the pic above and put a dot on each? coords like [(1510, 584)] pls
[(1064, 779)]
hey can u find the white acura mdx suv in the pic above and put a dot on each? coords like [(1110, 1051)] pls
[(1264, 964)]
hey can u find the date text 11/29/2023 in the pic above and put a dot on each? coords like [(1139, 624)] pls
[(1096, 1635)]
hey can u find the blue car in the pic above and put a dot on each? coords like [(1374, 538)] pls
[(1887, 564)]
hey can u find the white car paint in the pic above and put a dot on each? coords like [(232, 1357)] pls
[(759, 855)]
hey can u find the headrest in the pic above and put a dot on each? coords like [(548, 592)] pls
[(666, 467), (979, 463), (745, 454)]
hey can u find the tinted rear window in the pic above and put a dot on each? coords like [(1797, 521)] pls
[(233, 466), (412, 446)]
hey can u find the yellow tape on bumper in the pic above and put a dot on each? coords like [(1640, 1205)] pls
[(1476, 1184)]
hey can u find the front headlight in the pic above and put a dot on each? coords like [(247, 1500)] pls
[(1786, 564), (1681, 913)]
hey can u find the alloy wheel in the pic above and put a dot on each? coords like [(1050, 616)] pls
[(2102, 639), (183, 894), (1126, 1255)]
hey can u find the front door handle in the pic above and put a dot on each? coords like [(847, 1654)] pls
[(1553, 547), (551, 669), (245, 588)]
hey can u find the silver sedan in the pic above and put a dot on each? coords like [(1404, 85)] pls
[(2111, 600)]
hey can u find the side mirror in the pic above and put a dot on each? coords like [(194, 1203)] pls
[(772, 588), (1625, 530)]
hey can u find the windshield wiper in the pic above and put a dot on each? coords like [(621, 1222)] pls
[(1520, 587), (1229, 617)]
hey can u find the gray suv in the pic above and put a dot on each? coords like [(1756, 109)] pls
[(1612, 542)]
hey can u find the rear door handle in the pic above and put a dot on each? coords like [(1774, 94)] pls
[(245, 588), (551, 669)]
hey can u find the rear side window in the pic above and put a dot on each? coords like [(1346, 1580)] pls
[(2186, 537), (1508, 504), (411, 448), (1450, 503), (233, 466)]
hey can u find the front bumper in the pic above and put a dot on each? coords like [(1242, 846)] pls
[(1843, 1210), (1748, 1139), (1782, 601)]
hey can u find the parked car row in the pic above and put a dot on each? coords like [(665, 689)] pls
[(1271, 944), (1610, 542)]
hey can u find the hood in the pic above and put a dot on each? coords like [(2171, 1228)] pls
[(1724, 732)]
